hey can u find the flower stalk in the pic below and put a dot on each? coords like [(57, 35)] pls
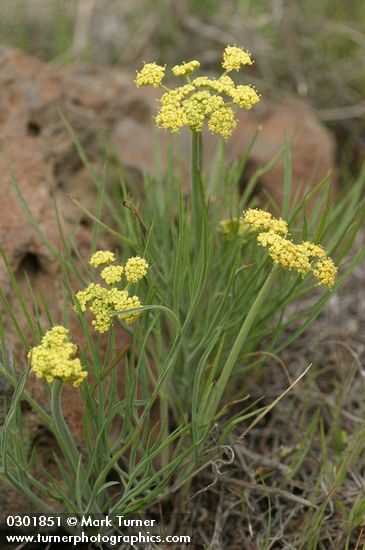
[(197, 189)]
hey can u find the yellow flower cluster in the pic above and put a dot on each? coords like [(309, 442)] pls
[(102, 257), (222, 122), (224, 84), (245, 96), (151, 75), (304, 257), (112, 274), (198, 106), (202, 99), (326, 272), (234, 58), (185, 68), (54, 358), (135, 269), (103, 301), (285, 253), (262, 220)]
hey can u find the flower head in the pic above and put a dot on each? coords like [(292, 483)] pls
[(202, 100), (135, 269), (54, 358), (185, 68), (202, 82), (176, 96), (245, 96), (264, 221), (303, 258), (325, 271), (285, 253), (198, 106), (312, 250), (102, 257), (222, 122), (122, 302), (112, 274), (234, 58), (224, 85), (151, 74), (102, 301), (171, 117)]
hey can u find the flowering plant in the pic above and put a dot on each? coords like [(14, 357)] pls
[(162, 383), (201, 99)]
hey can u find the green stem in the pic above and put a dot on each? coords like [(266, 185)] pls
[(239, 342), (197, 191), (61, 430), (164, 418)]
